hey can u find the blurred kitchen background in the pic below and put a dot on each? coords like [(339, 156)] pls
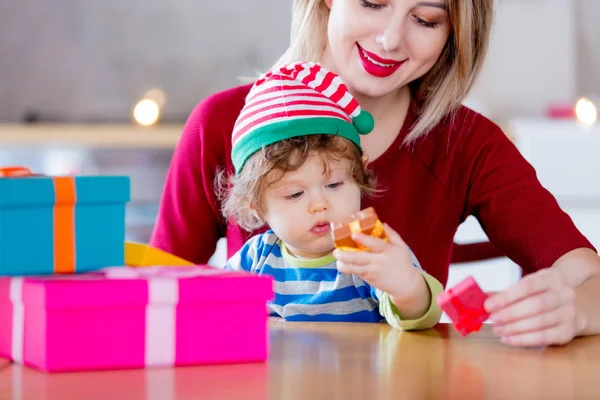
[(104, 86)]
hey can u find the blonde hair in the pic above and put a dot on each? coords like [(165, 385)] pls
[(444, 87), (241, 195)]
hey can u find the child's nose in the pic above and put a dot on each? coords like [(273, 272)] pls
[(318, 205)]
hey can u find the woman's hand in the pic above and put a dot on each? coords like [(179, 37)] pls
[(538, 310)]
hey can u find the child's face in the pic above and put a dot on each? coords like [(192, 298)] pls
[(300, 206)]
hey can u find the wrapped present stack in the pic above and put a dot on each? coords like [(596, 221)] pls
[(75, 296)]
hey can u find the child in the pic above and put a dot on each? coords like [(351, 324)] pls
[(298, 167)]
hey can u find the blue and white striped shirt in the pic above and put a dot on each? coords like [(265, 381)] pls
[(308, 290)]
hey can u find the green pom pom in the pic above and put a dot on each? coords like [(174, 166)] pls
[(363, 122)]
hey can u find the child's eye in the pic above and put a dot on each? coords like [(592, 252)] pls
[(296, 195), (335, 185)]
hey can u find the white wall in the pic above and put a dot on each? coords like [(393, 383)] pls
[(588, 39), (92, 60), (532, 59)]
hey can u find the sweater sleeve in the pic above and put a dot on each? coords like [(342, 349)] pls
[(188, 224), (520, 217), (431, 317), (388, 310)]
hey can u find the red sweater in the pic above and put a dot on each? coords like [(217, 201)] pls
[(465, 166)]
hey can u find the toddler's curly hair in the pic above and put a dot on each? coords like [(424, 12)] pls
[(265, 167)]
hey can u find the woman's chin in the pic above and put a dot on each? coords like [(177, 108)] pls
[(374, 91), (364, 85)]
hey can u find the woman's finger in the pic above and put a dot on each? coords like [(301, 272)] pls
[(534, 323), (557, 335), (530, 285), (534, 305)]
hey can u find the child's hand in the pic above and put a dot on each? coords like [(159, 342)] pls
[(389, 268)]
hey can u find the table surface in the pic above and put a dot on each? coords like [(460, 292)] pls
[(344, 361)]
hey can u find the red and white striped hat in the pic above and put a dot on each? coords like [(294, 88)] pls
[(295, 100)]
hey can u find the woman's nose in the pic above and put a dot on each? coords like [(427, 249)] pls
[(392, 37)]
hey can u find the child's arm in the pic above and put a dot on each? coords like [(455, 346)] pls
[(392, 268), (388, 306), (391, 314)]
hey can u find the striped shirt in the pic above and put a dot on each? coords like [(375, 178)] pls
[(314, 290)]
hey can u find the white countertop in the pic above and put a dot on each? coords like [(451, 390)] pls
[(97, 135)]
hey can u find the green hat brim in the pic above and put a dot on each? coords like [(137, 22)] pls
[(276, 132)]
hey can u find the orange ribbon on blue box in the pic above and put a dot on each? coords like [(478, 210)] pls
[(64, 224)]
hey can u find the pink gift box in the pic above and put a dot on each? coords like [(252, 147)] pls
[(124, 317)]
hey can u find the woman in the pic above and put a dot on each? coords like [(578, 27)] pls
[(410, 63)]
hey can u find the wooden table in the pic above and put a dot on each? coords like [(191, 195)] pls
[(344, 361)]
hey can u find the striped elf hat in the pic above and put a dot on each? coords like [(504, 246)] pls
[(295, 100)]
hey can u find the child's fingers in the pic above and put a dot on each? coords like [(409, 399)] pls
[(360, 258), (393, 236), (350, 269), (374, 244)]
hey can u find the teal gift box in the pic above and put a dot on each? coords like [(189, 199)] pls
[(56, 225)]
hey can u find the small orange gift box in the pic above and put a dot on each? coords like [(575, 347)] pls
[(365, 222)]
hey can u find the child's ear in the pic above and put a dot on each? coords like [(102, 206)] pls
[(255, 213)]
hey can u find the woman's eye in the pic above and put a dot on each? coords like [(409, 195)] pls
[(426, 24), (368, 4)]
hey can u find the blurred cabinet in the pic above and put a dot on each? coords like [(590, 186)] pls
[(143, 154), (522, 73), (566, 157)]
